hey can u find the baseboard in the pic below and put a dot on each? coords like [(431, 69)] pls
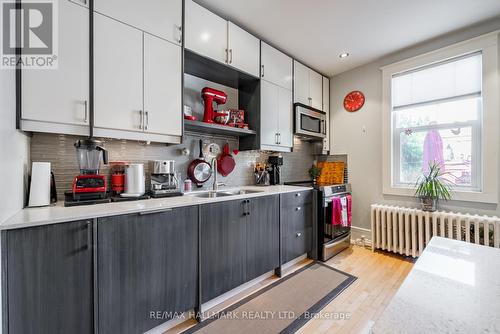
[(361, 236), (160, 329)]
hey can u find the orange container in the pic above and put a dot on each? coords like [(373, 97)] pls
[(331, 173)]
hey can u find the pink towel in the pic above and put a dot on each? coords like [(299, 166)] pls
[(349, 210), (336, 211)]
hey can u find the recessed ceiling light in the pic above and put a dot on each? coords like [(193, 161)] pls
[(344, 55)]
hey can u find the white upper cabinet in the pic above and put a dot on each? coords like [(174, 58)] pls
[(205, 32), (117, 75), (285, 112), (301, 83), (326, 109), (276, 120), (243, 50), (307, 86), (269, 113), (213, 37), (137, 85), (162, 87), (316, 89), (61, 96), (276, 66), (162, 18)]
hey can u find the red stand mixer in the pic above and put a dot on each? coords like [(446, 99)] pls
[(210, 96)]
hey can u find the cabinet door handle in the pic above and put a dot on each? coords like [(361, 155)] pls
[(141, 120), (298, 234), (230, 56), (152, 212), (247, 207), (146, 115), (86, 119), (262, 70), (180, 33), (89, 234), (297, 208), (227, 56), (279, 138)]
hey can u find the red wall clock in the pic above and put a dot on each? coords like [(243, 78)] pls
[(354, 101)]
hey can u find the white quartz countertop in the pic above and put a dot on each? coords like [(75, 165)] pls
[(454, 287), (58, 213)]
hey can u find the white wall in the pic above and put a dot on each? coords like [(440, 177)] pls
[(14, 150), (359, 134)]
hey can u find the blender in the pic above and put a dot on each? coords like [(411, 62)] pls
[(90, 185)]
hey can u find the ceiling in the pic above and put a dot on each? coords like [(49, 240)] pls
[(317, 31)]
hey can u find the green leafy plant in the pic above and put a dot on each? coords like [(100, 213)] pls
[(314, 172), (433, 185)]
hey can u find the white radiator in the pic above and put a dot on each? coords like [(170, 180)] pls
[(406, 231)]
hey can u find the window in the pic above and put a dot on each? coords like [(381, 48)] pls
[(443, 107), (437, 118)]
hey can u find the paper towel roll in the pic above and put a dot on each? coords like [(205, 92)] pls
[(40, 184)]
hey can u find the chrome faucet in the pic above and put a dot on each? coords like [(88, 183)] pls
[(215, 186)]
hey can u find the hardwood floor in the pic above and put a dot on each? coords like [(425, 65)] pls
[(379, 277)]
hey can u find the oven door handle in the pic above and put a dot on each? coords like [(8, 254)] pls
[(337, 242)]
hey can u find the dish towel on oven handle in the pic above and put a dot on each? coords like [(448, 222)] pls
[(345, 218), (349, 210), (336, 211)]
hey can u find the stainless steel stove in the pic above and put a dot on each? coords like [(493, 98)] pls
[(328, 239)]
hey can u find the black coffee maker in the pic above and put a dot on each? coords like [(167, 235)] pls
[(275, 162)]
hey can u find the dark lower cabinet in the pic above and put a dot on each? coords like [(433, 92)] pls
[(296, 224), (146, 268), (223, 247), (239, 242), (262, 236), (137, 271), (47, 279)]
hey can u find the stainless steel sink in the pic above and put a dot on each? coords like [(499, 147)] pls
[(223, 193), (209, 194), (240, 192)]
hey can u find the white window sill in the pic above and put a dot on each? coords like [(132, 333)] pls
[(457, 195)]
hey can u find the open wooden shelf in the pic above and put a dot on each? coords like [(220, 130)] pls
[(197, 126)]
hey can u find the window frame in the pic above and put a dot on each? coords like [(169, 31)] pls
[(487, 145)]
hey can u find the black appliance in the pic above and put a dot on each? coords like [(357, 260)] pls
[(328, 240), (275, 162)]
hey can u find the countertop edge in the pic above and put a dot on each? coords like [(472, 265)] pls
[(56, 214)]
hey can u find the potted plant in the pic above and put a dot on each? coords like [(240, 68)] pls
[(314, 172), (431, 187)]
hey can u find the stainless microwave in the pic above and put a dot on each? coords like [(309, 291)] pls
[(309, 122)]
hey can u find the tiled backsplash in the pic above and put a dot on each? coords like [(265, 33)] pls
[(59, 151)]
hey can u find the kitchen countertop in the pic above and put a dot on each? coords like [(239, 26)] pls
[(59, 214), (454, 287)]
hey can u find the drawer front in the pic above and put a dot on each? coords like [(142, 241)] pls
[(297, 198), (297, 217), (296, 243)]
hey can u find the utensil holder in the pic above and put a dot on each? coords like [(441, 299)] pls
[(262, 178)]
